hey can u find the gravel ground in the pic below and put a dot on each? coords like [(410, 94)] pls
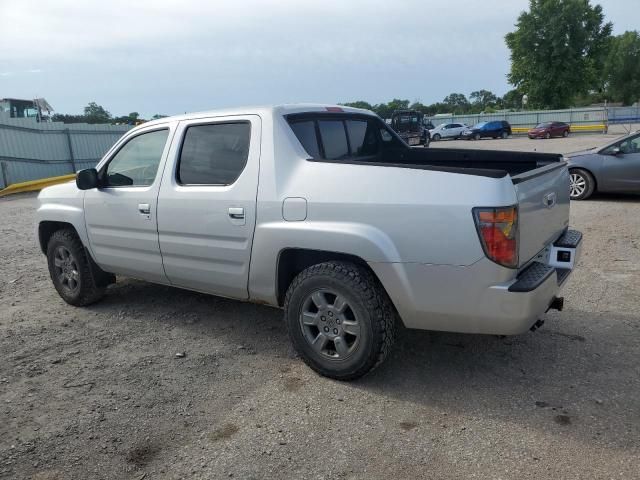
[(98, 392)]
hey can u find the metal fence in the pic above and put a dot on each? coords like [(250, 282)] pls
[(581, 116), (30, 150)]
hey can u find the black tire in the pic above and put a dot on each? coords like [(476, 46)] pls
[(565, 134), (436, 137), (476, 136), (84, 290), (547, 136), (505, 135), (367, 306), (577, 176)]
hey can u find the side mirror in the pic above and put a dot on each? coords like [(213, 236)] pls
[(87, 179), (616, 151)]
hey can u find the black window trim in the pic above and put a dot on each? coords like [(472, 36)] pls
[(176, 173), (103, 168)]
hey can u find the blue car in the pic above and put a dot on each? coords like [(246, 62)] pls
[(493, 129)]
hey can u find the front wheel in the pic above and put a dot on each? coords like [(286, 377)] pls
[(547, 136), (70, 269), (436, 137), (339, 319), (581, 184)]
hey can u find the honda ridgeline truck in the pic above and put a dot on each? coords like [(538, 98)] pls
[(325, 212)]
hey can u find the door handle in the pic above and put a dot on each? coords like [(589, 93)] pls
[(144, 208), (237, 213)]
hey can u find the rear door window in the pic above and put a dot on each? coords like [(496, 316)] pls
[(334, 139), (214, 154)]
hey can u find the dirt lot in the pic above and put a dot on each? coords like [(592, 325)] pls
[(99, 392)]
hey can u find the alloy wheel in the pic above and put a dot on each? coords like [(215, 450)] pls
[(66, 269), (329, 324), (577, 185)]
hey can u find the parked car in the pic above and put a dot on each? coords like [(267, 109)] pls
[(493, 129), (276, 206), (447, 130), (612, 168), (550, 129), (410, 125)]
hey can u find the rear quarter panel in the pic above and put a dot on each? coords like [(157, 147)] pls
[(380, 214)]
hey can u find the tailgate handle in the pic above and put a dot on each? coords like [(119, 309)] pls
[(549, 200)]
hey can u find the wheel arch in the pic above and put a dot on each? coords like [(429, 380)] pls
[(292, 261), (47, 228), (589, 171)]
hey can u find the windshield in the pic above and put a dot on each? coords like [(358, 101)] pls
[(441, 126), (543, 125), (407, 119), (480, 125)]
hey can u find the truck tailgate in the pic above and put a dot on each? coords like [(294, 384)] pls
[(543, 203)]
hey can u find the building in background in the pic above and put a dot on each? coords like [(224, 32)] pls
[(37, 108)]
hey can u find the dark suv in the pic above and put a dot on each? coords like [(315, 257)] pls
[(493, 129)]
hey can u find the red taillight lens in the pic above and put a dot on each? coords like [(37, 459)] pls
[(498, 231)]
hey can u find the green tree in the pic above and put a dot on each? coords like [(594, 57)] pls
[(557, 50), (94, 113), (483, 99), (622, 68), (158, 116), (456, 102), (358, 104), (512, 100)]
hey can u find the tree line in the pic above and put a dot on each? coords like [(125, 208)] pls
[(94, 113)]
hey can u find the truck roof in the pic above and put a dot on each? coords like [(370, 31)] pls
[(283, 109)]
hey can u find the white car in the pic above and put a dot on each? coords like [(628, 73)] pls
[(447, 130)]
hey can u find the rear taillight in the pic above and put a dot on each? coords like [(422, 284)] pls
[(498, 232)]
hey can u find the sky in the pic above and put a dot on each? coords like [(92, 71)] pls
[(176, 56)]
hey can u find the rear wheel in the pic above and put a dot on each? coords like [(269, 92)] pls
[(339, 319), (504, 135), (476, 136), (581, 184), (70, 269), (565, 133), (547, 135)]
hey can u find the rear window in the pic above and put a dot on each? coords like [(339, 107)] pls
[(306, 133), (343, 138), (334, 139)]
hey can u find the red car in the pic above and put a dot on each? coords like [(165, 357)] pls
[(550, 129)]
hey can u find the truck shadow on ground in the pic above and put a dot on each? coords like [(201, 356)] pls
[(560, 377)]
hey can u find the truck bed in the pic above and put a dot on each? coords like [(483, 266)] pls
[(499, 161)]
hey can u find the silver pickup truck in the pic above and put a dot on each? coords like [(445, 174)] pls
[(325, 212)]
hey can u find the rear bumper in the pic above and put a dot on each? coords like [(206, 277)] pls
[(480, 298)]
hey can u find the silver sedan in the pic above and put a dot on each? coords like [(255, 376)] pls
[(612, 168)]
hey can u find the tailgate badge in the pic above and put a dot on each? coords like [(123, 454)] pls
[(549, 200)]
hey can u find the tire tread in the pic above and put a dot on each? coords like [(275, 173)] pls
[(376, 301)]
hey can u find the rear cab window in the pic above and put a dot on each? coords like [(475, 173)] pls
[(343, 137)]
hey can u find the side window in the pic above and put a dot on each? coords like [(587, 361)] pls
[(136, 163), (306, 133), (214, 154), (362, 138), (630, 145), (334, 139)]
